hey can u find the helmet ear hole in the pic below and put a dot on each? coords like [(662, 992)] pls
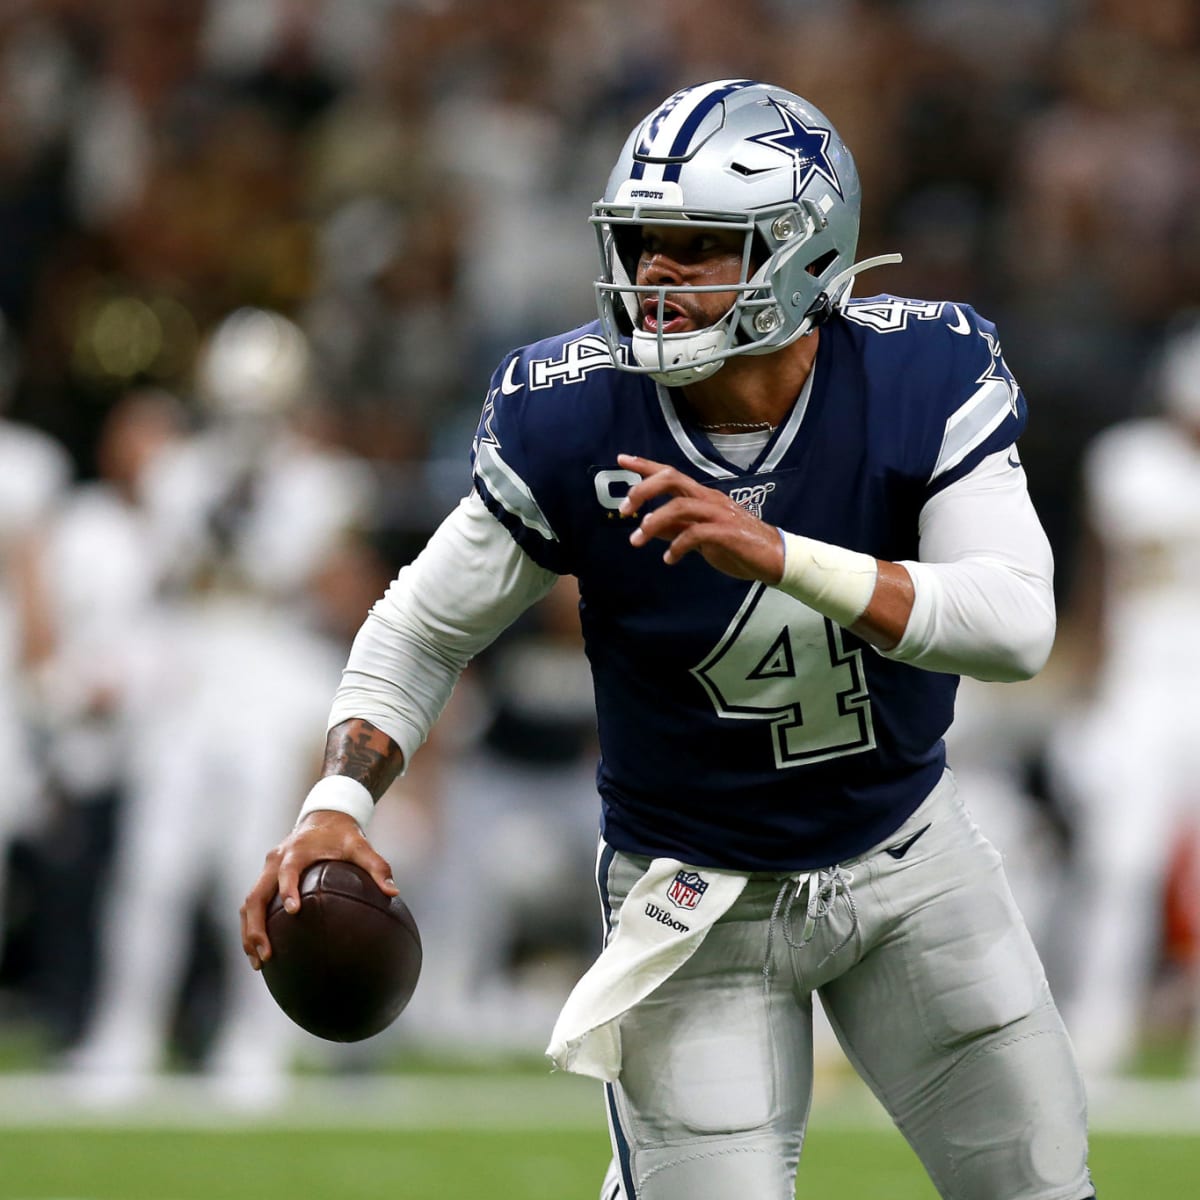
[(822, 263)]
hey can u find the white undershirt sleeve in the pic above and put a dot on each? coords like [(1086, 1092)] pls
[(984, 594), (469, 584)]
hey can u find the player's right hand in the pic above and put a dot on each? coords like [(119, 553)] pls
[(703, 519), (321, 836)]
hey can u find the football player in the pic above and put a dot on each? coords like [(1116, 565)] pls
[(1129, 758), (795, 519), (35, 474)]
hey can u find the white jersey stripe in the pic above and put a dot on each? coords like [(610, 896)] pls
[(972, 424), (510, 490), (791, 427), (696, 455), (693, 452)]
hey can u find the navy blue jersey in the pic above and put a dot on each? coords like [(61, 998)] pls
[(738, 727)]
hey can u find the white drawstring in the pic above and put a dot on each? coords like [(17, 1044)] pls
[(823, 886)]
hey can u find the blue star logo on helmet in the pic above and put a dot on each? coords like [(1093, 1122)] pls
[(806, 145)]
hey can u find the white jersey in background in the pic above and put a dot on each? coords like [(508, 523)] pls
[(1132, 759)]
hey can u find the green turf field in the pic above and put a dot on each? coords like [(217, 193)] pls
[(271, 1164)]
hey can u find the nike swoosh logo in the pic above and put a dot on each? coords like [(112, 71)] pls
[(1013, 460), (508, 385), (900, 849), (960, 325)]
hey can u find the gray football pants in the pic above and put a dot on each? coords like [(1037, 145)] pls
[(934, 989)]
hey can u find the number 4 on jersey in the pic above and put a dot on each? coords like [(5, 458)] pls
[(781, 662)]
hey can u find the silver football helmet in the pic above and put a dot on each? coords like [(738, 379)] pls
[(256, 366), (733, 155)]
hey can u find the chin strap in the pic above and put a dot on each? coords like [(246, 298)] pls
[(678, 370), (826, 303)]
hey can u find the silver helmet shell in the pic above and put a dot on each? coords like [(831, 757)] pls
[(733, 154)]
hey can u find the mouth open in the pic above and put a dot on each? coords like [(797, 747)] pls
[(675, 320)]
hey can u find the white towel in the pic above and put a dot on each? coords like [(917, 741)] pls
[(664, 919)]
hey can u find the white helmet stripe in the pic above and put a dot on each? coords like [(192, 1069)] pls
[(668, 131)]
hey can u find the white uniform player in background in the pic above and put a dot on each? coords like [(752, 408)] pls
[(1131, 759), (34, 474), (102, 569), (998, 745), (246, 512), (256, 499)]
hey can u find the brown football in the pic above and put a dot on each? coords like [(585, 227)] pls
[(345, 966)]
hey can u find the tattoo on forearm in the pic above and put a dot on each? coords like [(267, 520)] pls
[(357, 749)]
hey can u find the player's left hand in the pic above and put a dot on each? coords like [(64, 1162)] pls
[(703, 519), (322, 835)]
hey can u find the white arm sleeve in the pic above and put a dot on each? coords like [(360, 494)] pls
[(469, 583), (984, 590)]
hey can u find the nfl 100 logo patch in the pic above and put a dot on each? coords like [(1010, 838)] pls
[(686, 889), (752, 498)]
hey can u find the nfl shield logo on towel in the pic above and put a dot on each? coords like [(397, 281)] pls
[(686, 889)]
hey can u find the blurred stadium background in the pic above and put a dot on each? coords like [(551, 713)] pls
[(257, 261)]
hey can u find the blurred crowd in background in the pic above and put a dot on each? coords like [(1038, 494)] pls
[(257, 261)]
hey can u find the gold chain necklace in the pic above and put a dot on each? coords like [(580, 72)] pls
[(754, 426)]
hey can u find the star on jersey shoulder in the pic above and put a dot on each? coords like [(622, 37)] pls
[(486, 435), (998, 372), (806, 145)]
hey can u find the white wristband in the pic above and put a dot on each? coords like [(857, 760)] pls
[(339, 793), (836, 582)]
